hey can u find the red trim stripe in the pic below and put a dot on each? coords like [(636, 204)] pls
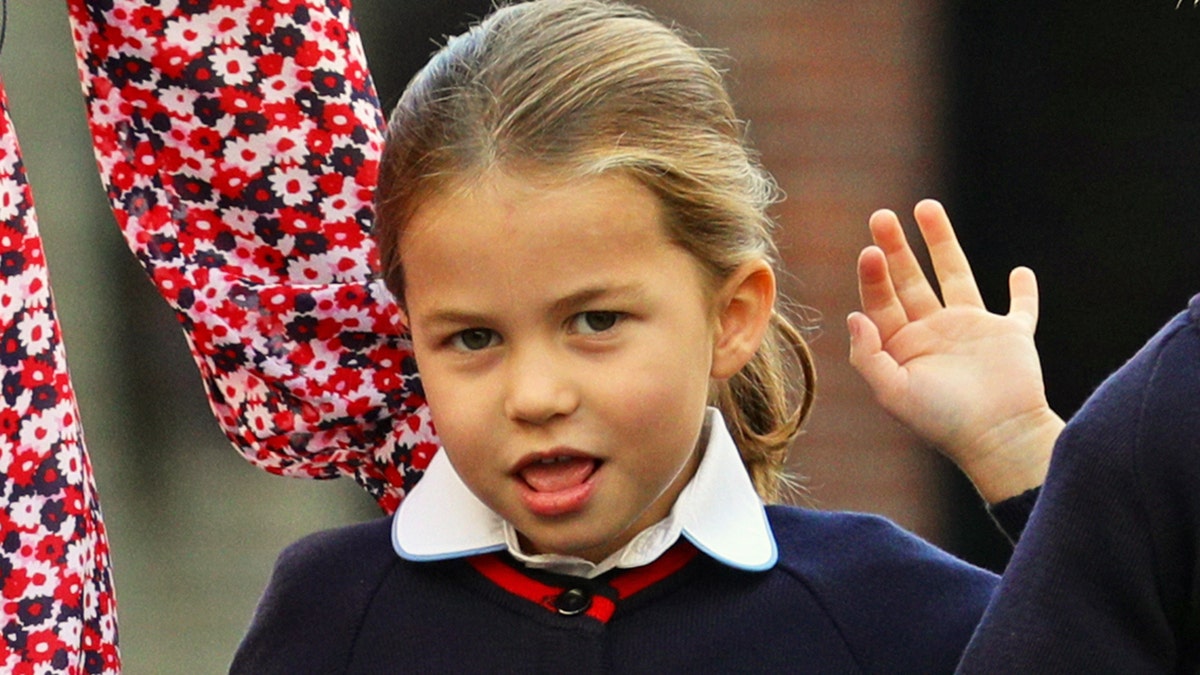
[(626, 583), (641, 578), (511, 580), (602, 608)]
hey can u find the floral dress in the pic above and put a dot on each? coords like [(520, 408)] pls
[(238, 142), (57, 612)]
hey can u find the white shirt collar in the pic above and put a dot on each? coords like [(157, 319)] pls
[(718, 511)]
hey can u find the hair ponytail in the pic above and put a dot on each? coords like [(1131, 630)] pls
[(760, 407)]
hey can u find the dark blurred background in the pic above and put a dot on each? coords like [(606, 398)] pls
[(1074, 148), (1061, 135)]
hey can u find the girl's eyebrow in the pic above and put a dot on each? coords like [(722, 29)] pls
[(453, 317), (621, 292)]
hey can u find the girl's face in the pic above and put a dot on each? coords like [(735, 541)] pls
[(565, 346)]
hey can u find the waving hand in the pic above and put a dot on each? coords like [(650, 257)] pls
[(961, 377)]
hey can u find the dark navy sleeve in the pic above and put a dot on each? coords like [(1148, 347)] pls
[(1012, 514), (309, 616), (900, 604), (1105, 576)]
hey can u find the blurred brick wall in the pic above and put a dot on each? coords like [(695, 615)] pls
[(844, 102)]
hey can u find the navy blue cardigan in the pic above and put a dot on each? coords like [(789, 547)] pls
[(851, 593), (1106, 577)]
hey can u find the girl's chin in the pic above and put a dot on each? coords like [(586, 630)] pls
[(575, 542)]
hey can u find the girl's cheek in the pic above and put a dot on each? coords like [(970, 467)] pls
[(662, 389)]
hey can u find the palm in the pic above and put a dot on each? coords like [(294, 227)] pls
[(955, 357), (961, 377)]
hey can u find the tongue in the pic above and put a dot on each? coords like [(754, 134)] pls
[(558, 476)]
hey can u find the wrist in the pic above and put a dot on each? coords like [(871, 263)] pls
[(1014, 457)]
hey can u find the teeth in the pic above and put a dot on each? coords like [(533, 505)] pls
[(554, 460)]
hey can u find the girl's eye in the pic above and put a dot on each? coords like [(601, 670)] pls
[(474, 339), (590, 323)]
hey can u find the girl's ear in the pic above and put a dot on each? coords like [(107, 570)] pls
[(745, 303)]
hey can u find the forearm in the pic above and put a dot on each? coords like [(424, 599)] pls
[(1100, 579)]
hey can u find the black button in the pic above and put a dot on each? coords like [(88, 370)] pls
[(573, 601)]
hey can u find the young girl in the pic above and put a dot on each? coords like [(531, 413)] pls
[(238, 144), (577, 236)]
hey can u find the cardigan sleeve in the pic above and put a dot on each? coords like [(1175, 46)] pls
[(239, 145), (1012, 514), (58, 611), (1104, 578)]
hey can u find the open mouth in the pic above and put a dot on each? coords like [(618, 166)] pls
[(555, 474), (558, 484)]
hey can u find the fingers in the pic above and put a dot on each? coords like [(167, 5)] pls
[(911, 286), (894, 290), (949, 262), (877, 295), (1023, 291)]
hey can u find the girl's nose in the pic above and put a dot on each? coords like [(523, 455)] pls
[(540, 389)]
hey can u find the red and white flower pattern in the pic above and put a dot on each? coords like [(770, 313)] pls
[(239, 142), (57, 611)]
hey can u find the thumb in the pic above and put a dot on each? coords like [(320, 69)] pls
[(873, 364)]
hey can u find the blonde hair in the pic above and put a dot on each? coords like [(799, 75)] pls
[(583, 87)]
